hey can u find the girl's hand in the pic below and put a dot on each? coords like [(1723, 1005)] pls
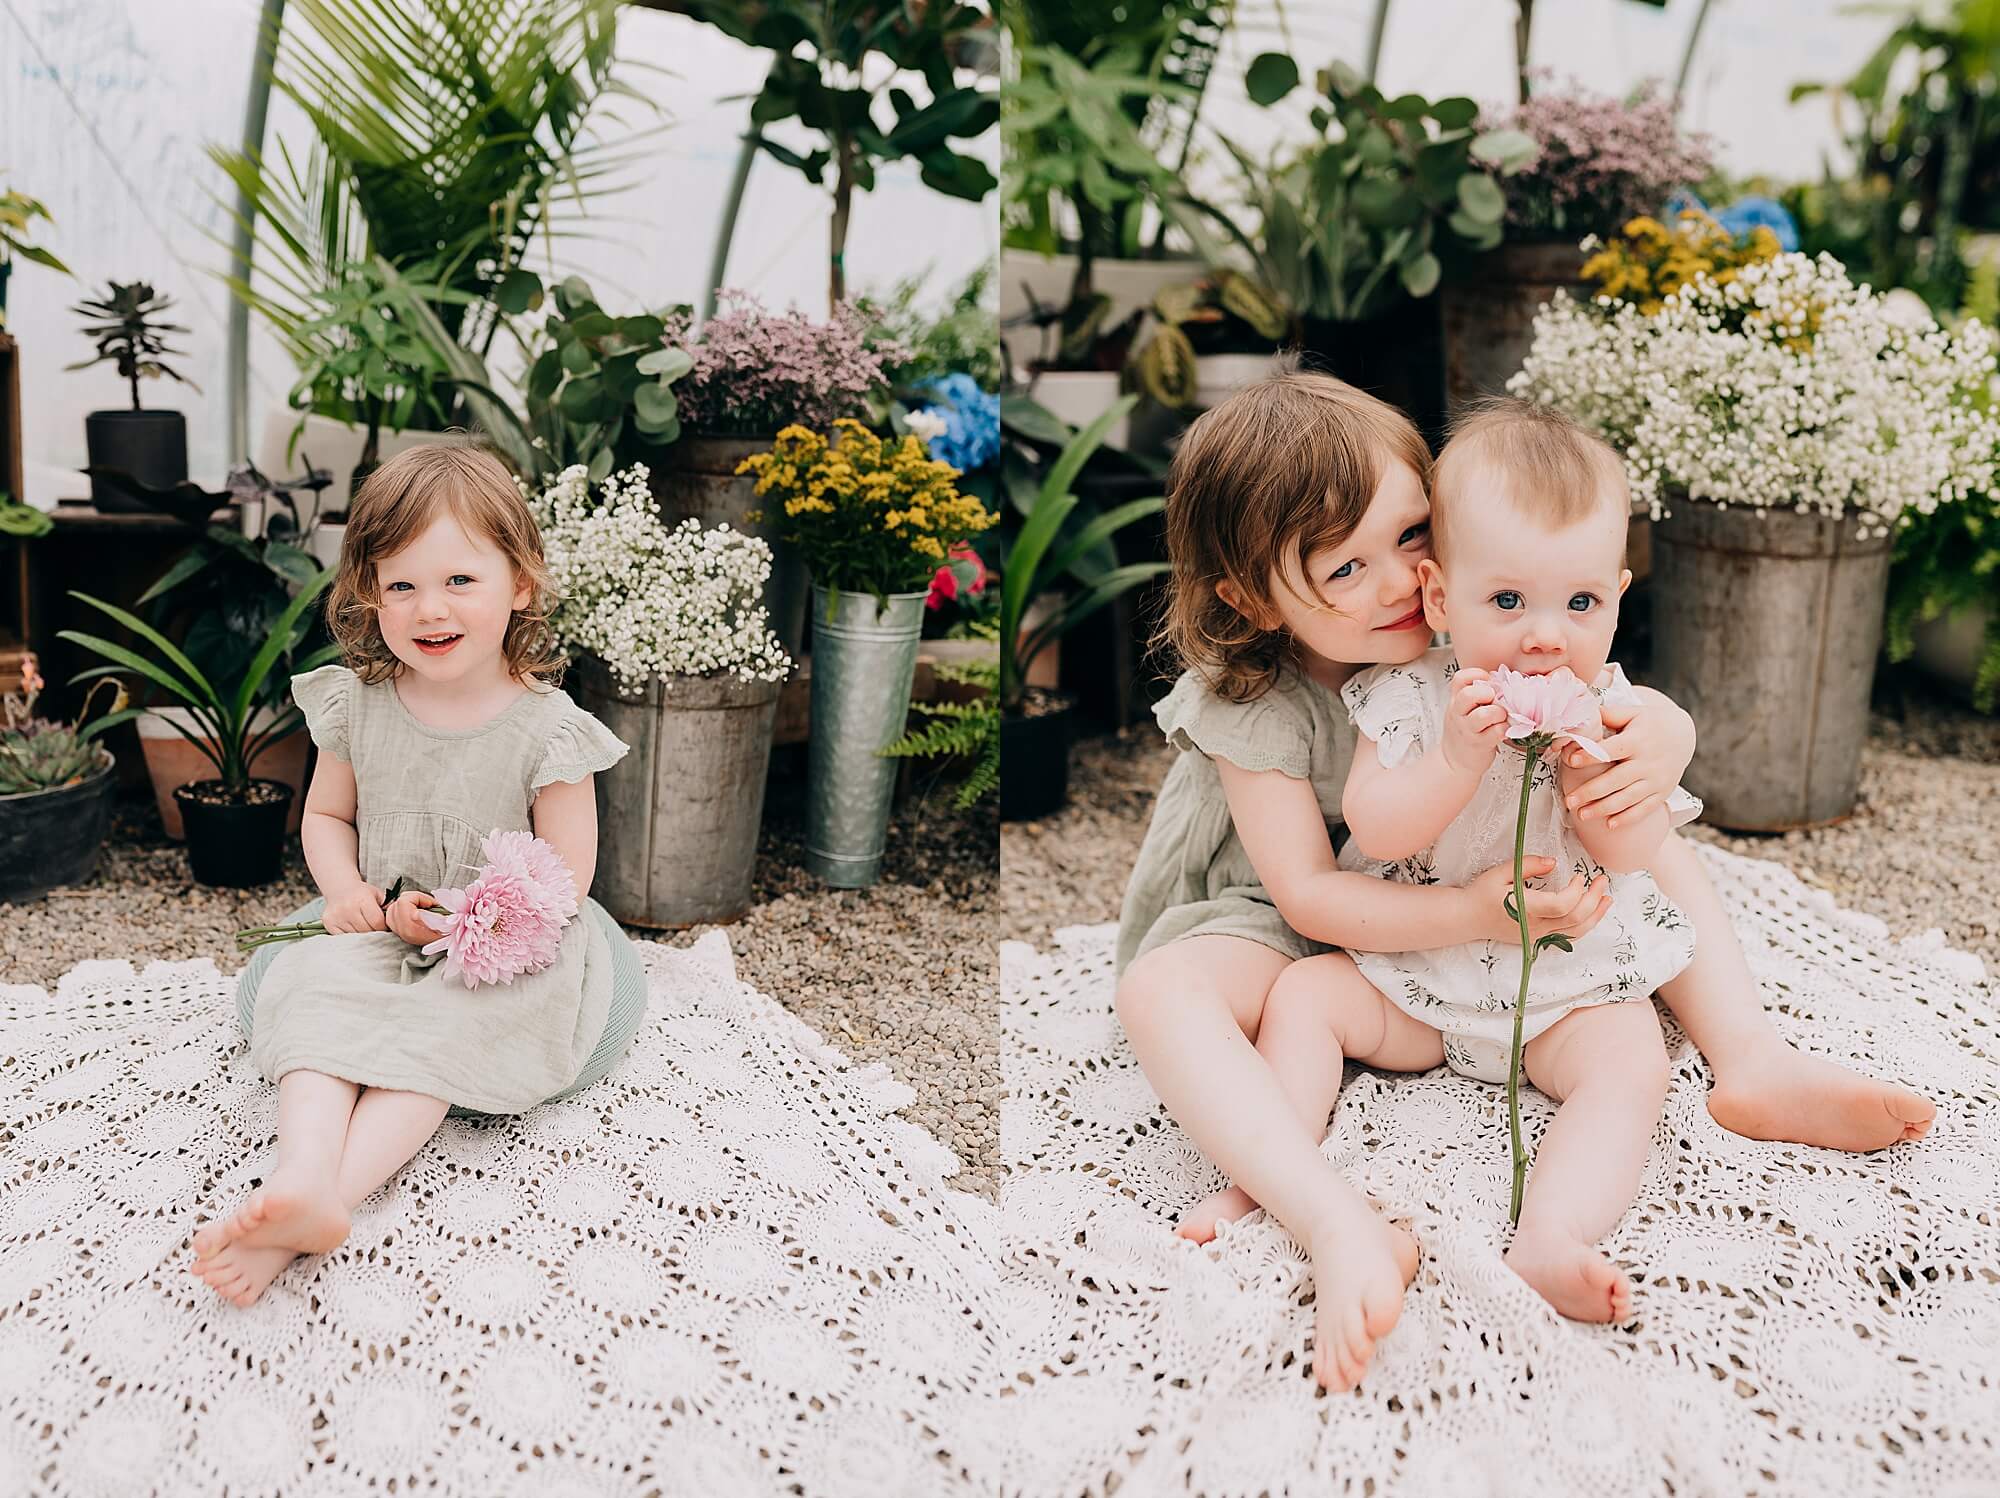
[(1650, 747), (1573, 910), (404, 921), (1475, 726), (356, 909)]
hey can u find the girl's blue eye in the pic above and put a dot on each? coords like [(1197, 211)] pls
[(1507, 600), (1582, 603), (456, 576), (1345, 569), (1421, 528)]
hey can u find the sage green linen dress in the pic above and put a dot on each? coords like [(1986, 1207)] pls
[(371, 1007), (1193, 877)]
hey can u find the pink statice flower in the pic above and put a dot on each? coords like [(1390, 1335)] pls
[(509, 919), (1556, 704)]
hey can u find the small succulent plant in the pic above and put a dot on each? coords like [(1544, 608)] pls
[(37, 754)]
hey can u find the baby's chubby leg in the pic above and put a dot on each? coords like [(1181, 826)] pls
[(1191, 1009), (1320, 1014), (1607, 1065), (1764, 1089)]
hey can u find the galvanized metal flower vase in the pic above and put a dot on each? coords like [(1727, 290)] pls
[(864, 657)]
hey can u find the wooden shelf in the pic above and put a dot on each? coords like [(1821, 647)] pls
[(82, 515)]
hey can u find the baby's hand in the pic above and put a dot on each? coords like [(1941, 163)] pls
[(356, 909), (1573, 910), (406, 923), (1475, 726)]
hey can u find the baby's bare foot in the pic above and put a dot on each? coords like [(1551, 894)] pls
[(1783, 1094), (1197, 1224), (305, 1217), (1361, 1267), (240, 1273), (1573, 1277)]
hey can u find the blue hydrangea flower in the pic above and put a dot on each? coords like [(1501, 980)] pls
[(1743, 215), (971, 438)]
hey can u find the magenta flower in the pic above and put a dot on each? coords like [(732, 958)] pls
[(1555, 704), (509, 919)]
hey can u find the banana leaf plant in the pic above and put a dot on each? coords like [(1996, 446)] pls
[(224, 711), (1036, 563)]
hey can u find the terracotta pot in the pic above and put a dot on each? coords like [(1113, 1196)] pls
[(172, 761)]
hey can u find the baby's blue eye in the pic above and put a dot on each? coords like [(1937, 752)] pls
[(1507, 600), (1582, 603)]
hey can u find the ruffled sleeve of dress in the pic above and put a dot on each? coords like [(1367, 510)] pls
[(575, 745), (1272, 732), (1683, 806), (326, 697), (1394, 706)]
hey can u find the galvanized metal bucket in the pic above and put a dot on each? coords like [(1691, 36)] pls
[(697, 479), (1766, 630), (677, 818), (1489, 316), (863, 660)]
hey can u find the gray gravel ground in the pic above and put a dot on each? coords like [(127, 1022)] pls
[(1922, 849), (903, 973)]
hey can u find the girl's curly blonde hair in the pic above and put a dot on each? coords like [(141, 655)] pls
[(1278, 470), (396, 504)]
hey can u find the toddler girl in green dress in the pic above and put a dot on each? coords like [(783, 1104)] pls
[(1297, 514), (444, 724)]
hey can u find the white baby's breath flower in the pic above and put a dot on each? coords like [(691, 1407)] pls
[(1787, 387), (648, 600)]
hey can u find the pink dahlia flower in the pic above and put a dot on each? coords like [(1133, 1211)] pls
[(1556, 704), (510, 919)]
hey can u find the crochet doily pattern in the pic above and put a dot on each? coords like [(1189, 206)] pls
[(724, 1269), (1806, 1322)]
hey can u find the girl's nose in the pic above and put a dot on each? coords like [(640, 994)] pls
[(1399, 581)]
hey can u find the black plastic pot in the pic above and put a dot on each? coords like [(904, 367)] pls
[(1397, 356), (234, 846), (51, 838), (149, 445), (1034, 758)]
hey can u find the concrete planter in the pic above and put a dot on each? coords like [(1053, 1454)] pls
[(1080, 396), (1219, 376), (697, 479), (678, 817), (1131, 285), (171, 761), (1766, 630), (53, 838), (1489, 315), (333, 445)]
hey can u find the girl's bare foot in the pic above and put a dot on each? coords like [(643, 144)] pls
[(1197, 1223), (1776, 1092), (1362, 1264), (303, 1216), (1573, 1277), (240, 1273)]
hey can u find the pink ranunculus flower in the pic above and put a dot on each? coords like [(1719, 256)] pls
[(1556, 704), (509, 920)]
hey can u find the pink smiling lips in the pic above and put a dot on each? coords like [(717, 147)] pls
[(442, 649), (1409, 621)]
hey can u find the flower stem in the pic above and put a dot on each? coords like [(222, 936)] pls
[(1521, 1000)]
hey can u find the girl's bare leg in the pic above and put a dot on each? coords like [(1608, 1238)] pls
[(383, 1129), (1192, 1009), (1321, 1014), (1764, 1089), (1608, 1067), (298, 1206)]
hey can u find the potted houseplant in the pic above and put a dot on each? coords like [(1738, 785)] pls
[(147, 446), (1779, 425), (231, 588), (17, 214), (1354, 228), (873, 519), (1210, 338), (1944, 597), (1595, 163), (1035, 722), (235, 823), (752, 373), (674, 653), (56, 791)]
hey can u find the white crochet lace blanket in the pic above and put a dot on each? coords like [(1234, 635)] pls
[(725, 1269), (1807, 1322)]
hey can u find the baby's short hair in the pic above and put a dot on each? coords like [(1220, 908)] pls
[(1550, 468)]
